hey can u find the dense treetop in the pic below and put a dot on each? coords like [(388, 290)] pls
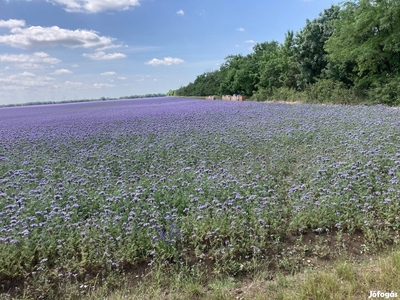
[(349, 54)]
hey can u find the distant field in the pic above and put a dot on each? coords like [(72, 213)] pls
[(98, 188)]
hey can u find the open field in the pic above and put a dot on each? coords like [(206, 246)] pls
[(187, 188)]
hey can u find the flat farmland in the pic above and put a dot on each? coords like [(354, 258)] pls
[(164, 185)]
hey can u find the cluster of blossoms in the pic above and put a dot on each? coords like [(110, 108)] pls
[(119, 180)]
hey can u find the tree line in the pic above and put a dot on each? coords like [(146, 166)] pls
[(349, 54), (83, 100)]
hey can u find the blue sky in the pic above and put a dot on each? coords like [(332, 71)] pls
[(53, 50)]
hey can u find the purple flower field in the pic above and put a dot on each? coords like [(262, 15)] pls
[(101, 186)]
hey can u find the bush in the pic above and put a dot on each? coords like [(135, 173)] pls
[(323, 91), (287, 94), (386, 92), (261, 95), (282, 93), (331, 91)]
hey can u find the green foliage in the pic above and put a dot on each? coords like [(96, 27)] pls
[(368, 33), (282, 93), (206, 84), (261, 95), (349, 54), (310, 53), (288, 94), (290, 66), (271, 68), (331, 91), (171, 93), (386, 92), (240, 75), (231, 79)]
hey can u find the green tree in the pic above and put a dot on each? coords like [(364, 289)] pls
[(290, 66), (271, 67), (368, 33), (310, 54), (235, 77)]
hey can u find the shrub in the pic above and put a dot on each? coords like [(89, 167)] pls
[(261, 95), (331, 91), (385, 92), (287, 94), (282, 93)]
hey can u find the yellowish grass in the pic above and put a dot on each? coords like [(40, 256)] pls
[(337, 280)]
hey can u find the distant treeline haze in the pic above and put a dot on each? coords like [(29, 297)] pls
[(350, 54), (83, 100)]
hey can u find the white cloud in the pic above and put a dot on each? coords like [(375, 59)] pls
[(37, 57), (41, 37), (167, 61), (26, 74), (30, 66), (108, 73), (250, 41), (9, 86), (180, 12), (37, 60), (102, 85), (143, 49), (240, 29), (121, 78), (61, 72), (112, 46), (75, 84), (11, 23), (24, 80), (75, 66), (155, 79), (95, 6), (103, 56)]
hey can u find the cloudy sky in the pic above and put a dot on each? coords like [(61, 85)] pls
[(53, 50)]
